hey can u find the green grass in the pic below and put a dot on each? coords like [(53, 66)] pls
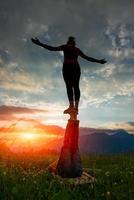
[(25, 179)]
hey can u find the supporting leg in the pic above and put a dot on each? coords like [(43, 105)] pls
[(70, 95), (69, 164), (77, 97), (71, 103), (77, 106)]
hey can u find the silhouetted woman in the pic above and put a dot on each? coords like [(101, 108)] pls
[(71, 69)]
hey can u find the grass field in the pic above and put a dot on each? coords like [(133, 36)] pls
[(24, 178)]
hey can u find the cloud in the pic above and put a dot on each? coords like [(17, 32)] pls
[(128, 126), (121, 36), (97, 91), (18, 110), (21, 125), (106, 72), (33, 27), (13, 77), (88, 20), (103, 29), (11, 113), (43, 112), (110, 128), (1, 62)]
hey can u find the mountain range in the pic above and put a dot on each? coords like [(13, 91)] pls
[(91, 141), (101, 141)]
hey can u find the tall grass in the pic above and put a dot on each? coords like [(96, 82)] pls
[(26, 178)]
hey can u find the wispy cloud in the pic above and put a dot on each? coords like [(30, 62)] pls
[(32, 77), (15, 78), (18, 110), (121, 36), (128, 126), (13, 113)]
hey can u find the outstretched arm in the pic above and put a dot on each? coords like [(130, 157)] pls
[(102, 61), (37, 42)]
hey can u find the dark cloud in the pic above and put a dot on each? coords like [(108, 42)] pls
[(11, 110), (87, 20), (38, 126), (102, 29), (130, 123), (84, 19)]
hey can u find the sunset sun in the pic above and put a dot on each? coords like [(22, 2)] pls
[(29, 136)]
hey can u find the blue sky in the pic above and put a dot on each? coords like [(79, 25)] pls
[(31, 76)]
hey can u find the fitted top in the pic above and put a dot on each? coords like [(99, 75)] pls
[(71, 53)]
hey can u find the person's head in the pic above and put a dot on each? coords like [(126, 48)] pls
[(71, 40)]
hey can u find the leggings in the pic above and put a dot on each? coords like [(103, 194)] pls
[(71, 75)]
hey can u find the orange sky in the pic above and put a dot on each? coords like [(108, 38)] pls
[(28, 127), (18, 132)]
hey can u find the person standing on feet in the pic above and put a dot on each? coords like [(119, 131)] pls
[(71, 69)]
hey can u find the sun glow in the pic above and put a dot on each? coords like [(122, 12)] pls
[(26, 138), (29, 136)]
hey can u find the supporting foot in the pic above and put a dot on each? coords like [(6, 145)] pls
[(73, 112), (69, 110)]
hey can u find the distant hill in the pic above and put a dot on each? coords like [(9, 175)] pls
[(91, 140), (100, 142)]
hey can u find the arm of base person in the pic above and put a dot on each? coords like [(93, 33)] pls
[(102, 61), (37, 42)]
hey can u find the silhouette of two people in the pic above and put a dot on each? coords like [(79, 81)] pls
[(71, 70)]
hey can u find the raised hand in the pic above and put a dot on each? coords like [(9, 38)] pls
[(35, 41), (102, 61)]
